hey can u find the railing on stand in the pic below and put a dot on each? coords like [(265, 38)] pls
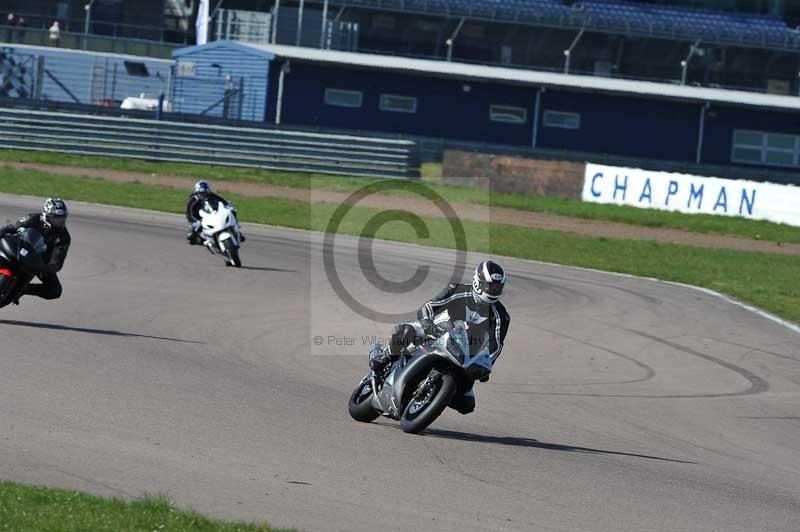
[(92, 43)]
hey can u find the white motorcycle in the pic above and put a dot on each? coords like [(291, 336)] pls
[(220, 231)]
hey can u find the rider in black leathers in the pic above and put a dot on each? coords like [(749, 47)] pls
[(51, 223), (479, 305), (201, 194)]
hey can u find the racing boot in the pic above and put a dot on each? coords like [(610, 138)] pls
[(193, 236)]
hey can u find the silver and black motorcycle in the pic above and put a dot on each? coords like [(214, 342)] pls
[(417, 387), (21, 259)]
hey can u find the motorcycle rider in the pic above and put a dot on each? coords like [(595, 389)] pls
[(51, 223), (479, 305), (201, 194)]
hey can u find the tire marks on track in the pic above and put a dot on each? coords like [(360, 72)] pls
[(757, 386)]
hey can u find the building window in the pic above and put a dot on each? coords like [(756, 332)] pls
[(398, 104), (562, 120), (343, 98), (505, 113), (771, 149)]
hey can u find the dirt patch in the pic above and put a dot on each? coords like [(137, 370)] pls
[(500, 215)]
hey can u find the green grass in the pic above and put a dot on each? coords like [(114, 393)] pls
[(39, 509), (699, 223), (766, 280)]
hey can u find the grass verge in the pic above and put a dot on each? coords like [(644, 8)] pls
[(765, 280), (699, 223), (39, 509)]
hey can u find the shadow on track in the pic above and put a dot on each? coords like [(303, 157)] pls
[(55, 327), (536, 444), (265, 269)]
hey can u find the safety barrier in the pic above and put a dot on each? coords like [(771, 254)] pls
[(208, 144)]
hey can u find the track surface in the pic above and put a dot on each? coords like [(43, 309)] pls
[(619, 404)]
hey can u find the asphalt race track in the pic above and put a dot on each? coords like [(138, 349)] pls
[(619, 404)]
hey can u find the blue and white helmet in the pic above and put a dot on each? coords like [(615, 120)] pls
[(202, 186), (54, 213), (488, 282)]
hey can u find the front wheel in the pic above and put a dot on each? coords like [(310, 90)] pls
[(428, 402), (360, 404), (232, 252)]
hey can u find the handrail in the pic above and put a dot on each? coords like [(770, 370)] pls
[(208, 144)]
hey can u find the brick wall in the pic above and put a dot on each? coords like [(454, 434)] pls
[(502, 173)]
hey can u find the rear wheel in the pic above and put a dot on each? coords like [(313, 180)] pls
[(7, 286), (428, 402), (360, 404), (232, 252)]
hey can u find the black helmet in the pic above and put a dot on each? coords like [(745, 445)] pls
[(54, 213), (202, 186), (488, 282)]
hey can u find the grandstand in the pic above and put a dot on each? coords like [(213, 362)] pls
[(631, 18), (603, 37), (739, 44)]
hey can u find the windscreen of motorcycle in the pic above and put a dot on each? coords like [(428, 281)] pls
[(455, 341), (34, 241), (210, 206)]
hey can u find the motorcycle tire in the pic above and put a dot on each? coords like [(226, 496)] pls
[(360, 403), (6, 290), (414, 420), (232, 252)]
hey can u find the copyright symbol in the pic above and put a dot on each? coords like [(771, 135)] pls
[(318, 340), (365, 253)]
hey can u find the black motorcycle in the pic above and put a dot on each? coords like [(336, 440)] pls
[(417, 387), (21, 259)]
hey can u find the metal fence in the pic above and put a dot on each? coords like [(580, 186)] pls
[(92, 43), (207, 144)]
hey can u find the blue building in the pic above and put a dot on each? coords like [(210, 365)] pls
[(83, 77), (222, 79), (512, 107)]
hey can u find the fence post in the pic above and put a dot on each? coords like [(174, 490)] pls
[(114, 83), (226, 104), (160, 107), (37, 94), (241, 99)]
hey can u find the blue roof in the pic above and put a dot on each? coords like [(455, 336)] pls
[(228, 45)]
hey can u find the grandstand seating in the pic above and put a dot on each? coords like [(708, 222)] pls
[(610, 15), (689, 23)]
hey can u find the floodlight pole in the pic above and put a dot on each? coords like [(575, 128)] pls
[(298, 38), (701, 132), (324, 24), (568, 51), (685, 62), (275, 21), (452, 38), (285, 69), (87, 22)]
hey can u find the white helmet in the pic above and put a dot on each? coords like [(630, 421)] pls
[(488, 282), (54, 213), (202, 186)]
